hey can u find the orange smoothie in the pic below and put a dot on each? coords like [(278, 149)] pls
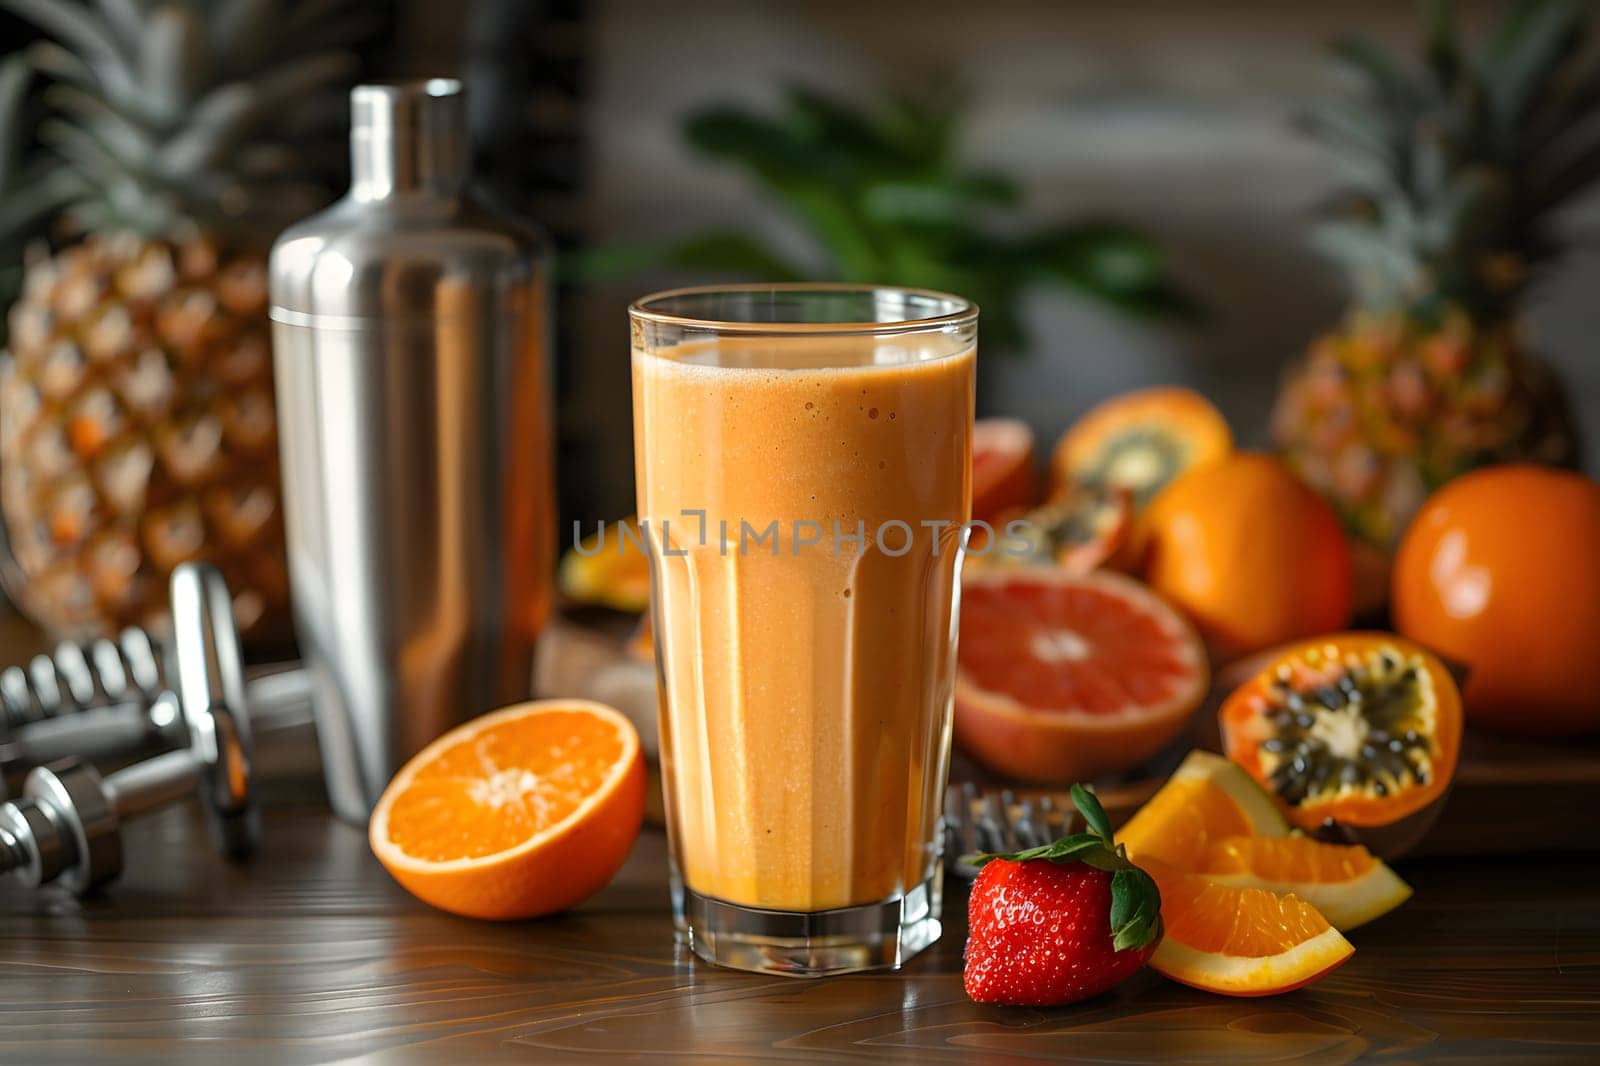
[(806, 671)]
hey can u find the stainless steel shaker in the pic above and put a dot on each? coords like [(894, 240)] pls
[(410, 328)]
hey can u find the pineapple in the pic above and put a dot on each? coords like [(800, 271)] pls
[(1460, 162), (137, 427)]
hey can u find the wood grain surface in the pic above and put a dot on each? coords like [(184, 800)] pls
[(310, 954)]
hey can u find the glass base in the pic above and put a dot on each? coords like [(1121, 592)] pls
[(873, 936)]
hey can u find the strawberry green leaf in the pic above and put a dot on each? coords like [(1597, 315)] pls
[(1103, 858), (1094, 815), (1075, 848), (1135, 909)]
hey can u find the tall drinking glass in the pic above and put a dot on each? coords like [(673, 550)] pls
[(804, 459)]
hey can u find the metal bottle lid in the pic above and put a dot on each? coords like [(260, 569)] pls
[(409, 242), (408, 138)]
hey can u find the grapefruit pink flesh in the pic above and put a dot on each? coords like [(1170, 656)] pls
[(1068, 677)]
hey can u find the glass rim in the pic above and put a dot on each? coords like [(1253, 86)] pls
[(963, 311)]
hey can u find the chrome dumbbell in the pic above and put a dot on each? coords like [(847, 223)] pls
[(67, 825), (113, 699)]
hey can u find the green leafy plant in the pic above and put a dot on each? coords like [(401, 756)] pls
[(885, 199)]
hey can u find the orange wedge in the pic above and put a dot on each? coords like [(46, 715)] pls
[(1240, 941), (522, 812), (1206, 799), (1346, 884)]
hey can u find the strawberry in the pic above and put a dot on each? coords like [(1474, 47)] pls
[(1062, 922)]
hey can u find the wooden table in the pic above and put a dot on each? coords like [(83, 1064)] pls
[(311, 954)]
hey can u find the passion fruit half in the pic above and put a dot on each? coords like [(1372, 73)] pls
[(1080, 531), (1140, 441), (1356, 735)]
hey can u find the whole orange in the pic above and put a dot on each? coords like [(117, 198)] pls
[(1500, 571), (1250, 553)]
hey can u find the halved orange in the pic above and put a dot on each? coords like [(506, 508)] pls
[(608, 568), (1067, 677), (1206, 800), (1240, 941), (1345, 883), (522, 812)]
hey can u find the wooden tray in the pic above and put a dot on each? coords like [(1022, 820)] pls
[(1508, 796)]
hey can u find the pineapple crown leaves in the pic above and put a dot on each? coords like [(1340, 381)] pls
[(1459, 160), (880, 191), (175, 112), (1135, 900)]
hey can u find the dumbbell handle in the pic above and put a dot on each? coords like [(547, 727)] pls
[(94, 734), (153, 783), (276, 700), (68, 826)]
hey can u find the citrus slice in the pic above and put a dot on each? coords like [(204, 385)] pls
[(1063, 678), (1002, 467), (1345, 883), (518, 813), (1207, 799), (608, 568), (1240, 941)]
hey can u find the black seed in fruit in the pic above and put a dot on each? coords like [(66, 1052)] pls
[(1304, 721), (1321, 776), (1330, 697), (1392, 767), (1275, 745)]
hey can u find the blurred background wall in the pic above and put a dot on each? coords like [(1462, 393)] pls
[(1172, 115)]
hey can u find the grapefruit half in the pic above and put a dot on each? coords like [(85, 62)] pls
[(1068, 677)]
